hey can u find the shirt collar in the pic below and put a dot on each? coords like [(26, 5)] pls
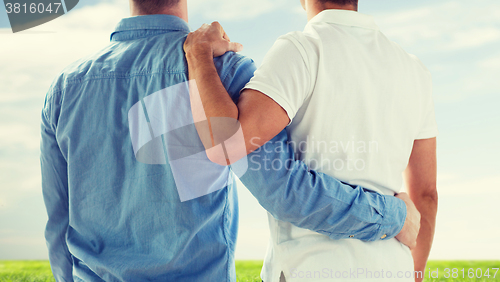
[(148, 22), (345, 17)]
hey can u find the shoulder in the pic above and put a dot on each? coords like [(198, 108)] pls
[(306, 38), (420, 66), (231, 62), (306, 41), (410, 60), (302, 41), (422, 73), (297, 47), (234, 71), (79, 70), (74, 73)]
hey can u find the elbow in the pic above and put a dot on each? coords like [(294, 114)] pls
[(430, 196), (431, 193), (227, 153), (433, 197), (216, 157)]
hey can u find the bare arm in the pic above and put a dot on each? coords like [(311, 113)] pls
[(420, 177), (259, 117)]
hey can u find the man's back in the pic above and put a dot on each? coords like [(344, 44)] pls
[(376, 98), (118, 209), (357, 103)]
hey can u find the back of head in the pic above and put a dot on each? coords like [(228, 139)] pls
[(150, 7), (340, 2)]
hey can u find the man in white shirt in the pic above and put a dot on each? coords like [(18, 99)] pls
[(359, 108)]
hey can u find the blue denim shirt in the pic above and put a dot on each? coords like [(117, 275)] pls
[(116, 212)]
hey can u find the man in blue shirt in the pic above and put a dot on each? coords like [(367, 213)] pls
[(129, 196)]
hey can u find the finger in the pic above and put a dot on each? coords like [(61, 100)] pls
[(235, 47), (218, 27), (188, 40), (203, 27), (226, 37), (413, 245), (221, 30)]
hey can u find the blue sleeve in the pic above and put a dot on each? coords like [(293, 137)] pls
[(55, 194), (305, 198), (318, 202), (235, 72)]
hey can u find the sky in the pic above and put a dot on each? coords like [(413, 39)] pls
[(458, 40)]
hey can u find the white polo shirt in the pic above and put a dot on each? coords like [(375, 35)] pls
[(357, 102)]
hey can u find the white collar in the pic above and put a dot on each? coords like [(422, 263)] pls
[(345, 17)]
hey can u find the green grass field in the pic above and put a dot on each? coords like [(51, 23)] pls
[(249, 271)]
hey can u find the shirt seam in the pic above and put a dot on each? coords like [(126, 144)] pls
[(44, 113), (224, 221), (112, 39), (385, 226), (103, 77), (349, 25), (275, 95), (423, 130), (151, 27), (427, 134), (48, 106), (118, 76)]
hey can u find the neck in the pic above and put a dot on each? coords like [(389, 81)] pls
[(180, 10), (315, 7)]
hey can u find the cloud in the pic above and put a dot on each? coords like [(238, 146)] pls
[(100, 17), (30, 60), (15, 134), (23, 241), (253, 233), (491, 63), (21, 178), (472, 37), (453, 185), (457, 38), (465, 228), (436, 27), (234, 10)]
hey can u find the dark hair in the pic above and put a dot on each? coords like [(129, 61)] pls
[(154, 6), (341, 2)]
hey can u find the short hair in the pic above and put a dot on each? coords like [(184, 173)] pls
[(154, 6), (341, 2)]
